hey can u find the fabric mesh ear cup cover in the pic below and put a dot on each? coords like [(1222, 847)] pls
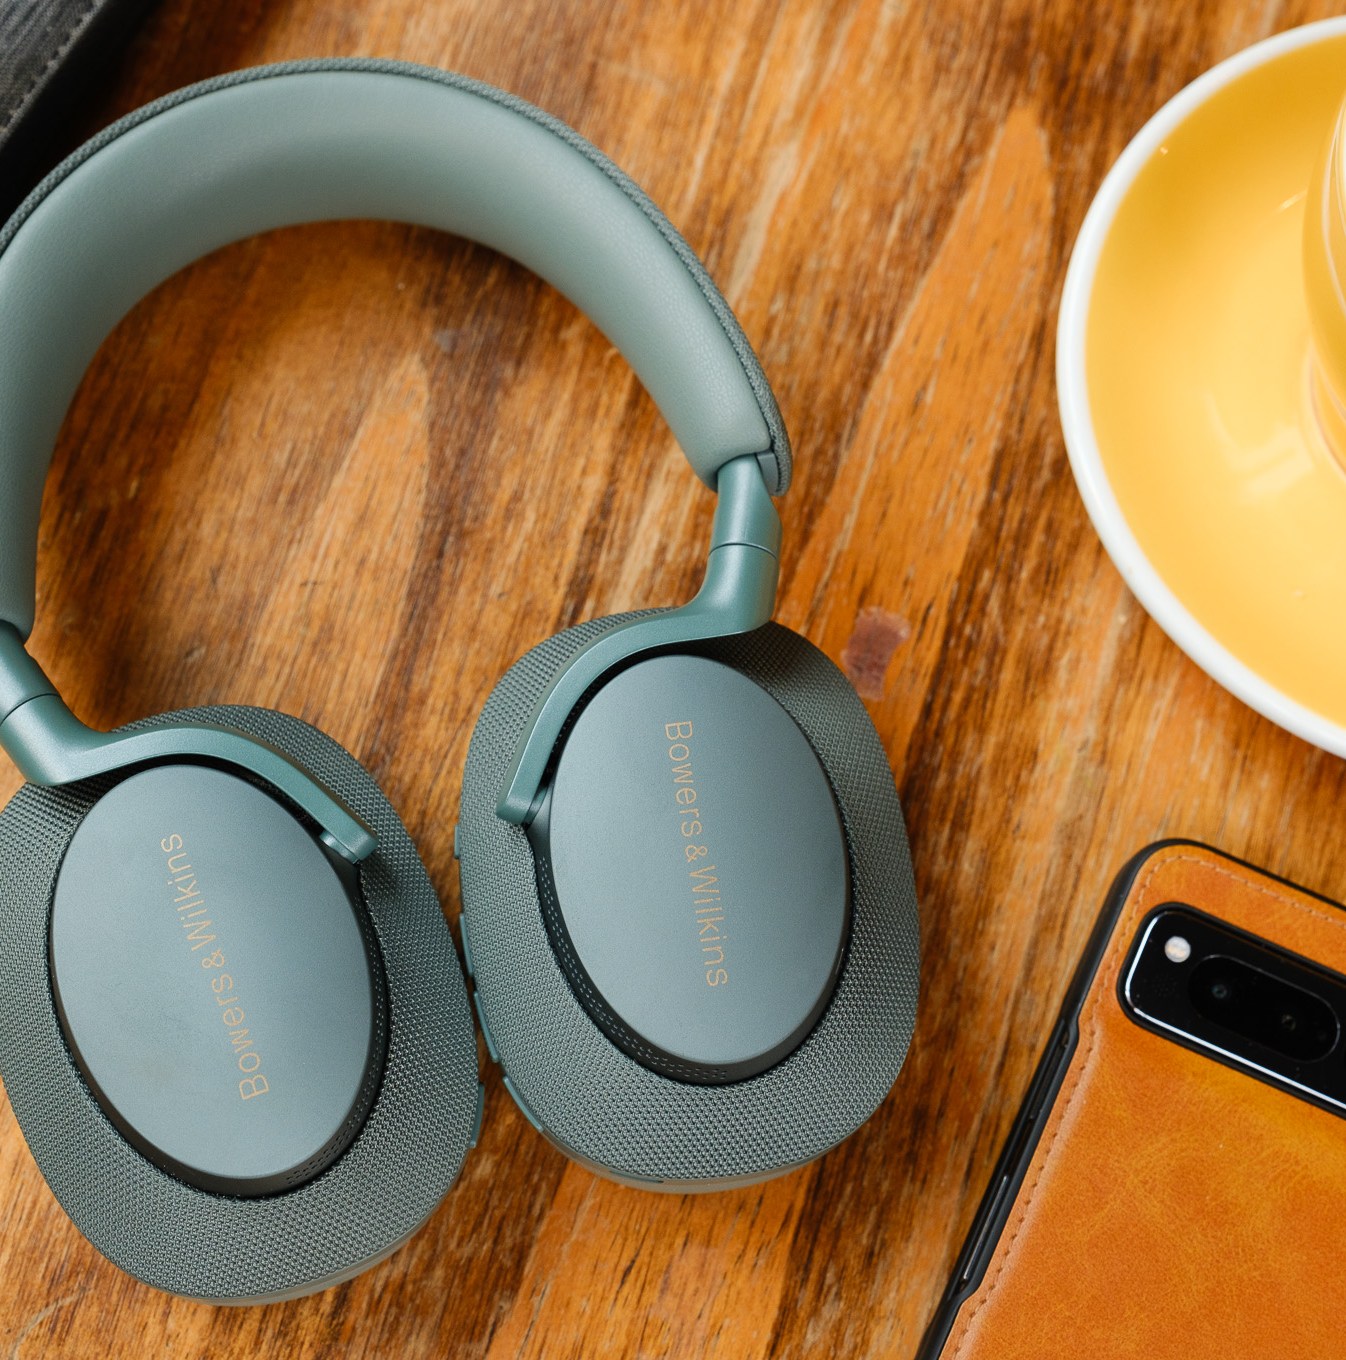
[(602, 1105), (373, 1197)]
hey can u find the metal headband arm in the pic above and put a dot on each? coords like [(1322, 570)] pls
[(737, 595), (52, 747)]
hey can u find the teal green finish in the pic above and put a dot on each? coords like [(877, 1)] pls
[(737, 595), (744, 513), (314, 141), (360, 139), (133, 932), (521, 1103), (480, 1115), (21, 678), (485, 1030), (52, 747), (612, 863)]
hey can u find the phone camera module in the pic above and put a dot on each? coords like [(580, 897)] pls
[(1250, 1002), (1266, 1009)]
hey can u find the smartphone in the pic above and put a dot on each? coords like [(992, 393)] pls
[(1175, 1183)]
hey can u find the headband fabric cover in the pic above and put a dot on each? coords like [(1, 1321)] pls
[(315, 141)]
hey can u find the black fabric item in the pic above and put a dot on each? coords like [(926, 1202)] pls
[(52, 53)]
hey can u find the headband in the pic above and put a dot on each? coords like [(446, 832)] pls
[(314, 141)]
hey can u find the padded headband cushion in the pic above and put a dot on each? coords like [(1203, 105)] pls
[(313, 141), (603, 1106), (367, 1203)]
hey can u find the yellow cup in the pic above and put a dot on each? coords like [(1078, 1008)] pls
[(1201, 373), (1325, 286)]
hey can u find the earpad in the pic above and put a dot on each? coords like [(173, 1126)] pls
[(410, 1130), (595, 1098)]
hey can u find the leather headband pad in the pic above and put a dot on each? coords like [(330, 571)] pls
[(313, 141)]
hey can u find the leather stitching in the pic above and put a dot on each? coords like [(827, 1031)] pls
[(1136, 908)]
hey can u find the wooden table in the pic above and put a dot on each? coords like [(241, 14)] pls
[(352, 471)]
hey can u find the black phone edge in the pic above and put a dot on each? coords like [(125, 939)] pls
[(1011, 1166)]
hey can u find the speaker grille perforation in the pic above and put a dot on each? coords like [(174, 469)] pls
[(597, 1101), (211, 1246)]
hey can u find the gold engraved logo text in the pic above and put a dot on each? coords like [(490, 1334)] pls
[(189, 902), (707, 906)]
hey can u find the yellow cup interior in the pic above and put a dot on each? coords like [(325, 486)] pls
[(1200, 371)]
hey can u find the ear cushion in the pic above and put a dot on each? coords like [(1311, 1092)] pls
[(381, 1189), (595, 1101)]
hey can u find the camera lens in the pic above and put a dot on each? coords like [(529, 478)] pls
[(1264, 1008)]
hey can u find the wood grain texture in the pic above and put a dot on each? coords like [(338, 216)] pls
[(352, 471)]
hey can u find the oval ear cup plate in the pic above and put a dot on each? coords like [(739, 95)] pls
[(219, 986), (408, 1148), (587, 1093), (693, 870)]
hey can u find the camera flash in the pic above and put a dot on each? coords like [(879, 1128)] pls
[(1177, 950)]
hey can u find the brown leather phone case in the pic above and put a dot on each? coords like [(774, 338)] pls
[(1173, 1205)]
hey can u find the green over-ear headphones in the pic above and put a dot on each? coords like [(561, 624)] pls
[(240, 1045)]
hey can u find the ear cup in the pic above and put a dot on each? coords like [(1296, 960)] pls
[(587, 1084), (413, 1111)]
